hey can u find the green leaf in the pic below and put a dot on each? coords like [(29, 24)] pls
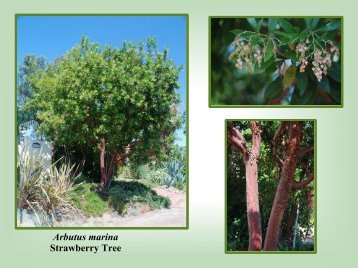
[(311, 23), (324, 84), (259, 24), (272, 23), (255, 40), (331, 26), (287, 26), (282, 34), (302, 82), (294, 36), (252, 22), (289, 77), (269, 54), (268, 63), (335, 72), (237, 31), (271, 68), (303, 35), (295, 97), (269, 51), (335, 91), (308, 98), (285, 38), (274, 90)]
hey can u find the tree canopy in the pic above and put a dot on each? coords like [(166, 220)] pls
[(109, 99), (27, 70)]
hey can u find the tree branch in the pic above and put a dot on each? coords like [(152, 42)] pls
[(130, 147), (302, 184), (237, 143), (237, 139), (303, 150)]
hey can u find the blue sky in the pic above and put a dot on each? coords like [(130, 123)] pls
[(53, 36)]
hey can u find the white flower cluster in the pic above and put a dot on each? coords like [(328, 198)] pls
[(301, 50), (244, 52), (312, 51), (321, 61)]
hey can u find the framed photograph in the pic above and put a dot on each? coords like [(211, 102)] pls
[(101, 121), (276, 62), (271, 186)]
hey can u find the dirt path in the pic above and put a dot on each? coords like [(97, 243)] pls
[(175, 216)]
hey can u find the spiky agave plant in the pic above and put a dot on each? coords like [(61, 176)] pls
[(42, 191), (176, 173)]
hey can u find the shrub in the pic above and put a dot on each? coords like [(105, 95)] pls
[(85, 198), (123, 195), (43, 192), (152, 175)]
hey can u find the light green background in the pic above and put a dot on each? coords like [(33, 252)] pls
[(203, 244)]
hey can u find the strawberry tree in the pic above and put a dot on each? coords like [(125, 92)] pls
[(302, 54)]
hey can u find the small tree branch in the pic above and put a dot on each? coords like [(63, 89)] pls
[(303, 150), (237, 133), (129, 148), (237, 139), (237, 143), (302, 184)]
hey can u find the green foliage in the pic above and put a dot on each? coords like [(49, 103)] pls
[(274, 90), (120, 95), (169, 173), (176, 174), (85, 198), (123, 195), (263, 48), (31, 66), (151, 174)]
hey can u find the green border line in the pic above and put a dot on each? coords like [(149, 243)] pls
[(186, 15), (315, 191), (276, 106)]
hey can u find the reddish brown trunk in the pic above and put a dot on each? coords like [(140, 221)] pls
[(284, 187), (110, 171), (102, 153), (252, 205), (310, 198), (106, 171), (120, 161), (252, 194)]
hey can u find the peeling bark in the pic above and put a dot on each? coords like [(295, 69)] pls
[(251, 171), (106, 169), (253, 209), (284, 187)]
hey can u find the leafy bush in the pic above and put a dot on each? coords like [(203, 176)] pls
[(88, 201), (43, 192), (123, 195)]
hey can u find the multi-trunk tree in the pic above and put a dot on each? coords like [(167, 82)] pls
[(292, 147), (115, 101)]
